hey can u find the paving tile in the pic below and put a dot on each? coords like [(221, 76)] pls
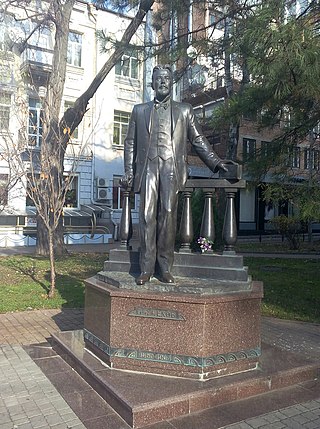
[(278, 425), (257, 422), (311, 405), (38, 421), (54, 418), (313, 425), (4, 418), (7, 425)]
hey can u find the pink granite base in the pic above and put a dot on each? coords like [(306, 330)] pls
[(144, 399), (174, 334)]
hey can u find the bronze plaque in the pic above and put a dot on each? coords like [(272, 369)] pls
[(156, 313)]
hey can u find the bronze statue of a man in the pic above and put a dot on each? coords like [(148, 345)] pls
[(155, 163)]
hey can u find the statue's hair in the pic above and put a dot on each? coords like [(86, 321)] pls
[(162, 67)]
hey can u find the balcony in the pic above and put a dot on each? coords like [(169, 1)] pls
[(37, 62)]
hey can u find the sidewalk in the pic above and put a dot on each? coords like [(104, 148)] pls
[(38, 390)]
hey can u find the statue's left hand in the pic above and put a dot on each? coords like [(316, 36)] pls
[(222, 166), (229, 170)]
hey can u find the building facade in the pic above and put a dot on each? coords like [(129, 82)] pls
[(94, 155)]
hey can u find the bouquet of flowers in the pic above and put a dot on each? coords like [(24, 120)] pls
[(205, 244)]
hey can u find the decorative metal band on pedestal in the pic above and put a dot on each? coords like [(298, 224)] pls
[(169, 358)]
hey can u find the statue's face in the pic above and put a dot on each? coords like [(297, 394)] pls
[(162, 83)]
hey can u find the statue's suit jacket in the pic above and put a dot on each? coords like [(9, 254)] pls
[(184, 127)]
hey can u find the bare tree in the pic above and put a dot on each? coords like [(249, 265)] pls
[(45, 182)]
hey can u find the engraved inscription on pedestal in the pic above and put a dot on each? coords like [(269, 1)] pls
[(156, 313)]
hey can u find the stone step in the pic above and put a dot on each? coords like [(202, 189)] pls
[(184, 259), (142, 399), (215, 267)]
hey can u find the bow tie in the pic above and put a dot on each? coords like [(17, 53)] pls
[(164, 104)]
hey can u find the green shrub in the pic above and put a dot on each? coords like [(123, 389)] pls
[(290, 228)]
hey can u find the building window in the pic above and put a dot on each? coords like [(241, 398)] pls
[(8, 25), (5, 104), (220, 81), (74, 49), (248, 149), (316, 160), (196, 76), (313, 157), (41, 37), (128, 66), (35, 123), (117, 195), (4, 184), (75, 134), (120, 127), (294, 157), (266, 149), (5, 73), (71, 200)]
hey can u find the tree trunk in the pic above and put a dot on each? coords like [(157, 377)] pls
[(52, 289), (42, 247), (52, 154), (58, 240)]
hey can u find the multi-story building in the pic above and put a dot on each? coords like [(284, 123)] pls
[(203, 84), (95, 153)]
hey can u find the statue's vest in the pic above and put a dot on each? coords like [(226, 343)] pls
[(160, 138)]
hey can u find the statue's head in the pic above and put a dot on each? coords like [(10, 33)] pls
[(162, 81)]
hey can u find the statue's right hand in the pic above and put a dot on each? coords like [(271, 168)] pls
[(126, 180)]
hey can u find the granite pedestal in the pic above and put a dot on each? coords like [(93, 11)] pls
[(197, 328)]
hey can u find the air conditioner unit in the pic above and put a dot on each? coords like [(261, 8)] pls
[(42, 91), (102, 182), (102, 193)]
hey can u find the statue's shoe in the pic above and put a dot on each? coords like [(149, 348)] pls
[(166, 277), (143, 278)]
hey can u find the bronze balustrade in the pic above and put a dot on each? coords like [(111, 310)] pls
[(231, 186)]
